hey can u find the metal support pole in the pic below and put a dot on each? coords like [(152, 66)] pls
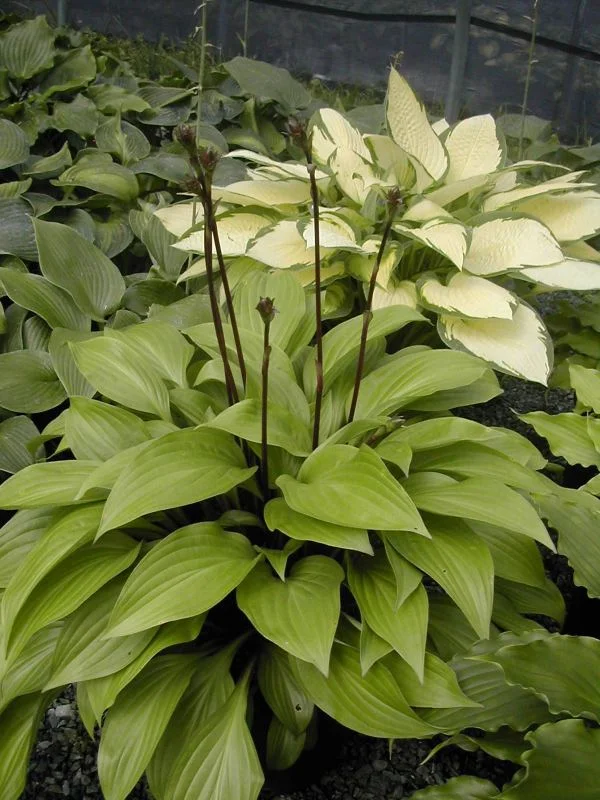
[(61, 13), (459, 60)]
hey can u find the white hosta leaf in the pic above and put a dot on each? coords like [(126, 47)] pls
[(331, 130), (392, 160), (354, 174), (468, 296), (283, 246), (521, 346), (473, 148), (449, 192), (179, 218), (410, 128), (447, 238), (525, 193), (264, 193), (236, 230), (567, 274), (285, 168), (502, 244), (401, 294), (569, 216), (425, 210), (334, 233)]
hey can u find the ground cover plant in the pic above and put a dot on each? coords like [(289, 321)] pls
[(249, 502)]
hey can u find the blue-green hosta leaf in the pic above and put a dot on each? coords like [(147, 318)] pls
[(465, 787), (104, 177), (371, 704), (122, 139), (300, 614), (439, 688), (77, 266), (80, 116), (516, 558), (560, 669), (102, 692), (561, 751), (569, 435), (19, 723), (14, 188), (479, 499), (244, 419), (199, 464), (64, 363), (15, 435), (69, 584), (459, 561), (113, 235), (77, 68), (282, 692), (400, 382), (51, 165), (159, 242), (268, 82), (82, 653), (184, 575), (54, 483), (31, 669), (135, 724), (349, 486), (64, 535), (576, 520), (98, 431), (520, 346), (114, 369), (220, 762), (16, 233), (14, 148), (27, 48), (279, 516), (28, 382), (18, 536), (402, 624), (50, 302), (409, 127)]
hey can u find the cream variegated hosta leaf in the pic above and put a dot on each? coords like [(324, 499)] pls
[(267, 193), (473, 148), (581, 251), (281, 168), (468, 296), (510, 243), (331, 130), (409, 127), (571, 216), (179, 218), (424, 210), (354, 173), (236, 230), (447, 238), (282, 247), (402, 294), (520, 346), (334, 233), (440, 126), (568, 274), (393, 162), (196, 268), (449, 192), (521, 193)]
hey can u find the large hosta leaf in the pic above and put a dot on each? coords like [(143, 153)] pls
[(268, 82), (101, 176), (468, 296), (77, 266), (349, 486), (521, 346), (561, 752), (27, 48), (31, 669), (299, 615), (99, 431), (52, 483), (28, 383), (473, 148), (510, 243), (137, 721), (15, 435), (48, 301), (569, 435), (439, 688), (199, 464), (371, 704), (569, 216), (184, 575), (282, 692), (19, 724), (410, 128), (459, 562), (18, 536), (567, 274)]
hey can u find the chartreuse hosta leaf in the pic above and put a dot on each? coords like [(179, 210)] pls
[(81, 269), (27, 48), (409, 127), (439, 688), (586, 383), (64, 364), (412, 376), (399, 620), (19, 724), (349, 486), (48, 301), (372, 704), (300, 614), (52, 483), (283, 747), (515, 557), (184, 575), (560, 751), (135, 724), (290, 704), (18, 536), (201, 464), (101, 175), (464, 787), (98, 431), (479, 499), (279, 516), (29, 672), (16, 434), (569, 435), (459, 561), (501, 342), (28, 382)]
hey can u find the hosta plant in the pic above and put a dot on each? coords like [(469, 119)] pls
[(257, 517), (474, 233)]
